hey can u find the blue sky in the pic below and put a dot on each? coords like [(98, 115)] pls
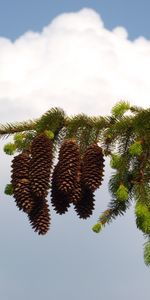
[(71, 261), (17, 16)]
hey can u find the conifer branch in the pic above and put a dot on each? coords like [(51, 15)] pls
[(12, 128), (121, 136)]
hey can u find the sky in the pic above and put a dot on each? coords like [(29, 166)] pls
[(82, 56)]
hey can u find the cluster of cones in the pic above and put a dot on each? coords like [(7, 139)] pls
[(74, 180), (30, 180)]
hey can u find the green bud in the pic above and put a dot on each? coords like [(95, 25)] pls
[(49, 134), (10, 148), (9, 189), (18, 137), (122, 193), (136, 149), (142, 212), (147, 253), (97, 227), (141, 209), (115, 161)]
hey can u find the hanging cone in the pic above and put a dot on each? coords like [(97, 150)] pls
[(59, 200), (41, 164), (39, 217), (20, 182), (75, 195), (93, 167), (85, 206), (68, 166)]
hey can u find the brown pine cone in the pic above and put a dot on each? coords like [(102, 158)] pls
[(93, 167), (59, 199), (85, 206), (68, 166), (39, 217), (21, 183), (75, 195), (41, 165)]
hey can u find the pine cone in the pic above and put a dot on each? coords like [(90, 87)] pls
[(92, 167), (41, 164), (68, 166), (75, 195), (59, 200), (39, 217), (20, 182), (85, 206)]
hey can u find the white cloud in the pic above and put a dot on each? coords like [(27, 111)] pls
[(74, 63)]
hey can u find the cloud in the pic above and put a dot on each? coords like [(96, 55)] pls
[(74, 63)]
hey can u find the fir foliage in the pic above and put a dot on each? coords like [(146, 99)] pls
[(11, 128), (120, 108), (52, 120)]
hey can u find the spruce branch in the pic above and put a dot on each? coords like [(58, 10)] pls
[(123, 135), (12, 128), (53, 119), (120, 108)]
